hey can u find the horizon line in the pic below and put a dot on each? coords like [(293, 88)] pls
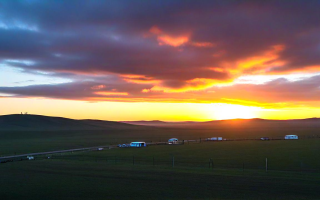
[(128, 121)]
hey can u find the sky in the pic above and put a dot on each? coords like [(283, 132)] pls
[(160, 60)]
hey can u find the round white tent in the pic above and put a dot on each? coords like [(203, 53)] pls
[(291, 137), (172, 140)]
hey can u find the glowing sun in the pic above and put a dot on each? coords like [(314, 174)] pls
[(221, 111)]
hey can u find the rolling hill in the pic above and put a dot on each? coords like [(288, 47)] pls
[(39, 122), (231, 123)]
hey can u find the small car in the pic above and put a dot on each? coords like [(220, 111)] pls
[(30, 157)]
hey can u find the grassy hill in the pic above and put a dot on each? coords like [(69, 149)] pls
[(311, 122), (39, 122)]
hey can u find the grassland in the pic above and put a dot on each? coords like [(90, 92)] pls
[(299, 155), (97, 175), (238, 170), (19, 142), (60, 179)]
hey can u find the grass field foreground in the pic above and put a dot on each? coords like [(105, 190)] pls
[(299, 155), (60, 179)]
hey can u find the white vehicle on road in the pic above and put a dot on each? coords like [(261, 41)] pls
[(30, 157)]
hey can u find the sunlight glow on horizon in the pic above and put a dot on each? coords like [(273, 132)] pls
[(222, 111), (135, 111)]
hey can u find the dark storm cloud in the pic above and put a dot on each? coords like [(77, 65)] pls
[(171, 42), (268, 95), (80, 90)]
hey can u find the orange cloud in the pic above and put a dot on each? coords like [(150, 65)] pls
[(139, 79), (194, 85), (260, 60), (172, 41), (257, 64), (166, 39), (202, 44), (98, 87), (270, 57), (254, 103), (155, 30), (176, 41), (112, 93)]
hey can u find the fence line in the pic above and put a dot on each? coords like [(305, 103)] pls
[(186, 163), (173, 161)]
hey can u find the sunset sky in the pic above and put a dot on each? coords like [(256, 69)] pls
[(160, 60)]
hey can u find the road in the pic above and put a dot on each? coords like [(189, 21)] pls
[(6, 158)]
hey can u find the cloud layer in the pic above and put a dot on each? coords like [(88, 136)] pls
[(162, 50)]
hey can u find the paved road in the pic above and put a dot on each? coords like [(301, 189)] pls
[(4, 158)]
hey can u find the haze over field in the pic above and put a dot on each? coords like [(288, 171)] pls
[(160, 60), (12, 126)]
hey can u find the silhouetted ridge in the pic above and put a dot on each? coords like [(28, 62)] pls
[(240, 122), (26, 122)]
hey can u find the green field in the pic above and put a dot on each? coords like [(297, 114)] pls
[(206, 170), (61, 179), (299, 155), (293, 172), (20, 142)]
